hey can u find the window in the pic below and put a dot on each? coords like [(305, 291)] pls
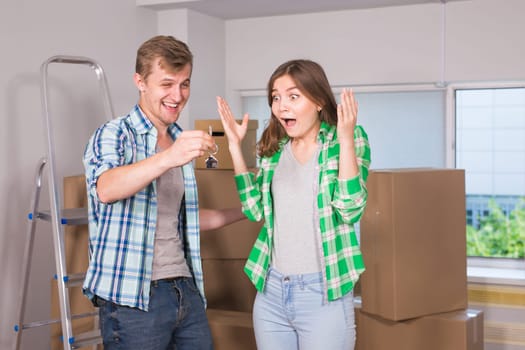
[(405, 128), (490, 146)]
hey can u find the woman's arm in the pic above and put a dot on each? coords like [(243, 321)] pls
[(346, 122), (211, 219), (235, 133)]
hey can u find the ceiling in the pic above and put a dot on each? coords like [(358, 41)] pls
[(235, 9)]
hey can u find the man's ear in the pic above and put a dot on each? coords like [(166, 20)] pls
[(139, 82)]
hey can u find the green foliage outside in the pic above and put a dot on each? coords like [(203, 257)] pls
[(499, 236)]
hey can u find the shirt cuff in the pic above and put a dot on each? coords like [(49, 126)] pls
[(94, 179), (244, 180), (349, 187)]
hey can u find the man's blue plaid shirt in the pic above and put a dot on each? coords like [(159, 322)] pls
[(122, 233)]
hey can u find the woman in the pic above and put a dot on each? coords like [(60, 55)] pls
[(310, 190)]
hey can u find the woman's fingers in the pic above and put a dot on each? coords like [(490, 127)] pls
[(348, 110), (224, 109), (234, 131)]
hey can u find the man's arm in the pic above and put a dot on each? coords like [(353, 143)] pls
[(210, 219), (124, 181)]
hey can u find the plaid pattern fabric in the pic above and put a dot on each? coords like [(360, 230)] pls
[(340, 204), (122, 233)]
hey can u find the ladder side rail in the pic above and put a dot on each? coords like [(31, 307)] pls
[(103, 84), (100, 74), (28, 251), (55, 209)]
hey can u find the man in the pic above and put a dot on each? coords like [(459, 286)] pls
[(145, 272)]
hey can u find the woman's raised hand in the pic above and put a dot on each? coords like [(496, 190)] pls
[(235, 132), (346, 116)]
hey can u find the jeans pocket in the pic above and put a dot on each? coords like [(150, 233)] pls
[(315, 287), (190, 282)]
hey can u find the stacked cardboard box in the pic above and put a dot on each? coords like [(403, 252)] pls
[(229, 292), (414, 290), (454, 330), (231, 330)]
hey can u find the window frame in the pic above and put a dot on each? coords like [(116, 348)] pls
[(481, 270)]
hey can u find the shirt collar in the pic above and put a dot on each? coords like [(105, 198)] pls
[(326, 132), (143, 125)]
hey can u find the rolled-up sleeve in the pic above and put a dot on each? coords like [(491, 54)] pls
[(350, 195), (250, 196), (104, 151)]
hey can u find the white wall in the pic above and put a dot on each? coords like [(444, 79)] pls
[(392, 45), (31, 32), (376, 46), (485, 40)]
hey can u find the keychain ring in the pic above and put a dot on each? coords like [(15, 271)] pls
[(215, 150)]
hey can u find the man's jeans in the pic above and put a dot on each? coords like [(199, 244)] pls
[(176, 319), (290, 314)]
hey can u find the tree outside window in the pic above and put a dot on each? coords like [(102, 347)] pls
[(490, 146)]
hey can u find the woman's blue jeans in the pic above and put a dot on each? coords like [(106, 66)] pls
[(176, 319), (290, 314)]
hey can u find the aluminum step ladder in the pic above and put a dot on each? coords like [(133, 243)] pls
[(58, 217)]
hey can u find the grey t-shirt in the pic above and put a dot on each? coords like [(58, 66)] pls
[(294, 190), (168, 256)]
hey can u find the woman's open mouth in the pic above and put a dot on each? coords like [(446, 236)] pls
[(289, 122)]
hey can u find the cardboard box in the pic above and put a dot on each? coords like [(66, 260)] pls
[(223, 155), (231, 330), (414, 243), (76, 238), (226, 285), (217, 190), (456, 330)]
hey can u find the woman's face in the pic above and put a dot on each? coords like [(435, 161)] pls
[(298, 115)]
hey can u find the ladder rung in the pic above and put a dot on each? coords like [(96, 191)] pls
[(70, 216), (74, 279), (56, 320), (88, 338)]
